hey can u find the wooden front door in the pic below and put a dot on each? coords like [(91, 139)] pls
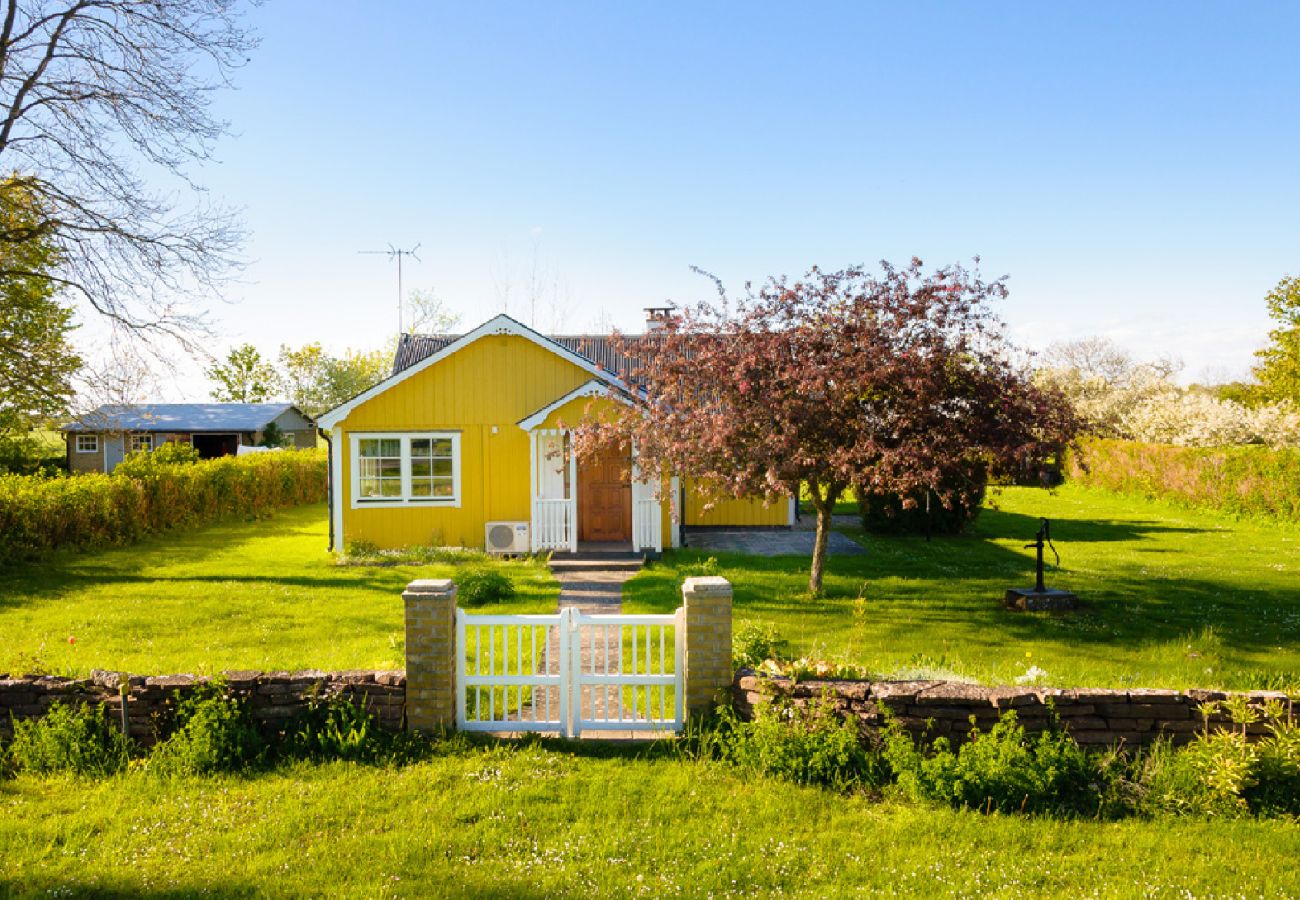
[(604, 497)]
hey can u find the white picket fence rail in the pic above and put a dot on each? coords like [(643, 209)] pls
[(569, 672), (621, 679)]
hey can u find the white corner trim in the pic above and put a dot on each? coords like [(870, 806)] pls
[(336, 494), (790, 515), (500, 324), (591, 388)]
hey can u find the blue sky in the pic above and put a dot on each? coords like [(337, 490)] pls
[(1132, 167)]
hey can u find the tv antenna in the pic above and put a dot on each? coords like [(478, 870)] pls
[(397, 253)]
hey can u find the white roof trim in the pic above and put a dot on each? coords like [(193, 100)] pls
[(500, 324), (591, 388)]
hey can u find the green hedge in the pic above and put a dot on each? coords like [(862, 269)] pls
[(1250, 480), (40, 514)]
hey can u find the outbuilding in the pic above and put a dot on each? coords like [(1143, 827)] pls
[(99, 440)]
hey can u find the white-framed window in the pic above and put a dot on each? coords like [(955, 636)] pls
[(87, 443), (140, 442), (396, 469)]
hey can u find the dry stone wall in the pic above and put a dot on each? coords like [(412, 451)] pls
[(273, 697), (1093, 717)]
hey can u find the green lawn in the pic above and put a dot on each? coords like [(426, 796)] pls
[(1172, 597), (564, 821), (241, 595)]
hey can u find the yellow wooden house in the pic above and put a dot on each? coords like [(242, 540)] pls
[(465, 444)]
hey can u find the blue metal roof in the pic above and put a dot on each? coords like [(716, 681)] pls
[(180, 417)]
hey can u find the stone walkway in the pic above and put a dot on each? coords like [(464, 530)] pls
[(592, 590)]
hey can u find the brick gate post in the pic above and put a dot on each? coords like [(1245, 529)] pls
[(430, 654), (706, 641)]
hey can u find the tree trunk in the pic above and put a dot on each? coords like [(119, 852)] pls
[(824, 503)]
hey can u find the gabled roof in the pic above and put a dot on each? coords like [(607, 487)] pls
[(184, 417), (596, 348), (591, 388), (439, 347)]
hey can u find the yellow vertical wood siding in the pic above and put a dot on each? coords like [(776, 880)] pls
[(743, 512), (493, 382), (489, 384)]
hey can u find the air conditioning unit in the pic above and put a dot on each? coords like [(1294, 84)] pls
[(506, 537)]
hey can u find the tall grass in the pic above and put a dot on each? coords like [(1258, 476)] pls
[(40, 514), (1245, 480)]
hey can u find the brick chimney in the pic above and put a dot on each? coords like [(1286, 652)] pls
[(658, 318)]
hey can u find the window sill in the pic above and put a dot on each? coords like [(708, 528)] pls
[(405, 504)]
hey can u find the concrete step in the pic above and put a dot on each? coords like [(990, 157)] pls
[(597, 562)]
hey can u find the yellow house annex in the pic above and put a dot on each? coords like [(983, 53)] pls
[(463, 445)]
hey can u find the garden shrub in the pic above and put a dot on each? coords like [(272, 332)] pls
[(1248, 480), (754, 643), (482, 585), (812, 745), (1221, 773), (214, 733), (333, 728), (1277, 771), (77, 739), (148, 494), (1001, 770), (888, 514), (146, 463)]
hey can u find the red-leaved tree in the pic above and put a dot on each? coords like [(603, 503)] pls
[(882, 382)]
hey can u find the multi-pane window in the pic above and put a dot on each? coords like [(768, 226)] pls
[(431, 468), (380, 468), (406, 467), (87, 443), (141, 442)]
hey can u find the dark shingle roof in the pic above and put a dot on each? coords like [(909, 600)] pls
[(597, 348), (180, 417)]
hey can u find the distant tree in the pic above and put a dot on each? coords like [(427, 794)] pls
[(37, 361), (97, 98), (428, 313), (316, 381), (1100, 359), (844, 379), (243, 377), (273, 436), (1278, 371)]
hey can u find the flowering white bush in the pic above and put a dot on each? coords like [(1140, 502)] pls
[(1192, 418), (1140, 402)]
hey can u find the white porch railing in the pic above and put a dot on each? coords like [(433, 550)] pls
[(647, 524), (554, 524)]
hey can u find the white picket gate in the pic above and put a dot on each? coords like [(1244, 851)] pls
[(569, 672)]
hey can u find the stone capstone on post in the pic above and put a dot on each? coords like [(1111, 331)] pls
[(430, 654), (706, 602)]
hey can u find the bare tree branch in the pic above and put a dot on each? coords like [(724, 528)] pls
[(96, 95)]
